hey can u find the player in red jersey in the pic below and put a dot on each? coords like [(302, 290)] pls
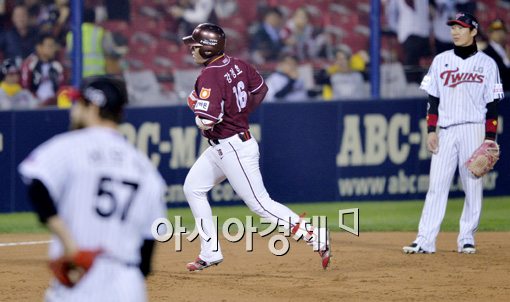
[(226, 92)]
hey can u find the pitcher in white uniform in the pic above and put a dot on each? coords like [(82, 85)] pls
[(464, 91), (96, 192)]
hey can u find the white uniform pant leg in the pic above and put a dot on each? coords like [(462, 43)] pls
[(442, 169), (201, 178), (471, 137), (106, 281), (241, 166)]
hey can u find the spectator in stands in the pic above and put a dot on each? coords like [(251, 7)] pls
[(36, 9), (467, 6), (410, 20), (55, 20), (301, 39), (266, 42), (41, 73), (339, 81), (498, 50), (118, 10), (3, 9), (190, 13), (96, 44), (442, 11), (12, 95), (285, 85), (19, 41)]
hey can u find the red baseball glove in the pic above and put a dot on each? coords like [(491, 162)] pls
[(483, 159), (192, 100), (70, 270)]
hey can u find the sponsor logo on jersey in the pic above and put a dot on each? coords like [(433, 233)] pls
[(211, 42), (452, 78), (202, 105), (205, 93)]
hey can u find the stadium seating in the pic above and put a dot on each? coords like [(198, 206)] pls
[(155, 46)]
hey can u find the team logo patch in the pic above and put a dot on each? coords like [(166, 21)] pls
[(205, 93), (202, 105), (498, 88)]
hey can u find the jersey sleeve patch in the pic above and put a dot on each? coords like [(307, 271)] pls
[(498, 89), (205, 93), (202, 105)]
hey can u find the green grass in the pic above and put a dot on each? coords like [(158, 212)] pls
[(373, 216)]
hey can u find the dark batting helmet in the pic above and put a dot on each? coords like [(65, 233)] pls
[(209, 37)]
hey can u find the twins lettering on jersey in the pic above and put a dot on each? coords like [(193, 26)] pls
[(453, 77)]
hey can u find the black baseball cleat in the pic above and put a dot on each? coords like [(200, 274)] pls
[(414, 249), (468, 248)]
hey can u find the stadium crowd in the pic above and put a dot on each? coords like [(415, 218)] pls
[(306, 51)]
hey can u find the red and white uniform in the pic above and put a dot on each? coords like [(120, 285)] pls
[(224, 91)]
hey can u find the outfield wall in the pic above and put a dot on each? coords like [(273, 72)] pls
[(327, 151)]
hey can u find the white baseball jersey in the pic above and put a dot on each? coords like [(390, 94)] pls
[(464, 87), (107, 193)]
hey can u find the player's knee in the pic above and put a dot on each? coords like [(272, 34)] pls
[(259, 211), (190, 189)]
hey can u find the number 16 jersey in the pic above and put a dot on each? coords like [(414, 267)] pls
[(223, 88)]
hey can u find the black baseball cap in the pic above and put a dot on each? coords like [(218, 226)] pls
[(464, 20), (106, 92)]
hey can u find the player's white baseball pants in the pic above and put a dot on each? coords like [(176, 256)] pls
[(456, 144), (237, 161), (107, 280)]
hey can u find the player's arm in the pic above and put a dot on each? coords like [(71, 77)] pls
[(259, 95), (432, 117), (491, 120), (432, 113), (146, 252), (208, 108), (257, 88), (47, 213)]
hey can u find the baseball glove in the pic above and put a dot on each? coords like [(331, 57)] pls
[(483, 159), (70, 270)]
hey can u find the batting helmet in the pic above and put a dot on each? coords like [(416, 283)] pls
[(106, 92), (210, 38)]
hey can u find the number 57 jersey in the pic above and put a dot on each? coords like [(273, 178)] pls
[(107, 192), (224, 88)]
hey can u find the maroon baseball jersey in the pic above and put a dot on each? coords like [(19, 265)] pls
[(224, 88)]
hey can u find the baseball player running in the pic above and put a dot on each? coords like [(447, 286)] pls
[(226, 92), (99, 197), (464, 90)]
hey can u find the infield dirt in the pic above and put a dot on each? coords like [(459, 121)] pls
[(370, 267)]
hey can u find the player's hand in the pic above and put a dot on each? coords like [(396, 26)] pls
[(69, 270), (433, 142)]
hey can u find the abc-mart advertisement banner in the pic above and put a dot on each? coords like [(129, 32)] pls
[(328, 151)]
